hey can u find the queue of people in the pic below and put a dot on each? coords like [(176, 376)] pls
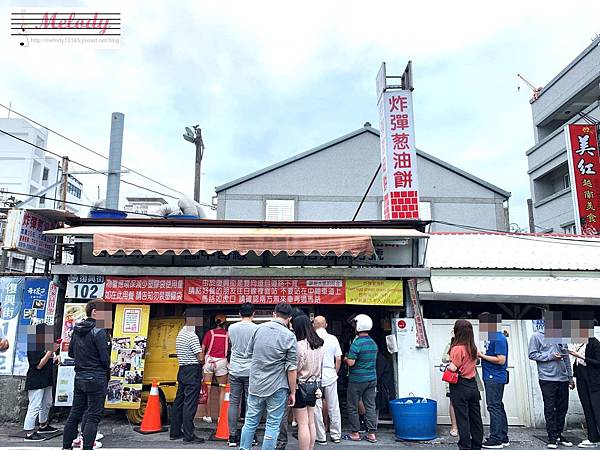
[(291, 364), (555, 373), (288, 364)]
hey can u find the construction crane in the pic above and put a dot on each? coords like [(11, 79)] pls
[(536, 91)]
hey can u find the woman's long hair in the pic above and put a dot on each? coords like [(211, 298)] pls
[(303, 329), (463, 335)]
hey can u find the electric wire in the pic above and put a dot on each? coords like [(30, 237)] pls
[(95, 170), (89, 149), (81, 204)]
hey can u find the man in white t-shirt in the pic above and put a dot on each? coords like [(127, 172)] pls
[(331, 365)]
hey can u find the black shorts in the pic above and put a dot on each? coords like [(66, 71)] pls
[(301, 403)]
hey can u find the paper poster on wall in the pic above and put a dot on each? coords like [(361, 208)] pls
[(11, 294), (128, 356), (33, 311), (73, 313), (374, 292)]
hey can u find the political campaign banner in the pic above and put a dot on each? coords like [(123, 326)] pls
[(33, 311), (11, 295)]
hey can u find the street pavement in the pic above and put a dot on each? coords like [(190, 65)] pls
[(120, 435)]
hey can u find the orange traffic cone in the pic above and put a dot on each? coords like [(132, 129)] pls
[(151, 422), (223, 425)]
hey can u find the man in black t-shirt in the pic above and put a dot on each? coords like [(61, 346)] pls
[(38, 384), (89, 347)]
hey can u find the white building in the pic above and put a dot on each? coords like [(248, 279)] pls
[(574, 92), (27, 170), (30, 171)]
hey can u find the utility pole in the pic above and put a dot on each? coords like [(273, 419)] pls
[(64, 183), (195, 137)]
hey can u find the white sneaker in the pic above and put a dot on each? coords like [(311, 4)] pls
[(77, 442), (294, 423), (564, 442), (207, 419), (588, 444), (552, 445)]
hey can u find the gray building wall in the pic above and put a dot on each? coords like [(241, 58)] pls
[(575, 89), (329, 184)]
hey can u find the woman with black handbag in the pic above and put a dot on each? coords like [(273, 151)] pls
[(464, 393), (310, 365)]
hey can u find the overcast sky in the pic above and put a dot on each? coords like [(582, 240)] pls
[(266, 80)]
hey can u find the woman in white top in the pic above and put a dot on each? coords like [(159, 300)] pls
[(310, 365)]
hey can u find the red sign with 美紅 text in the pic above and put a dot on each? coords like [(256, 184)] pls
[(266, 291), (584, 165)]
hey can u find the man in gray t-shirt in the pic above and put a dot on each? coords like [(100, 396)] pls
[(272, 350), (240, 334)]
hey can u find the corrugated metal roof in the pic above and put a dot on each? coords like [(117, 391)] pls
[(555, 286), (512, 251)]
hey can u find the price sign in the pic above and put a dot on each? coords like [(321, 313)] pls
[(86, 287)]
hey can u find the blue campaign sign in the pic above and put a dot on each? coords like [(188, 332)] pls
[(33, 311), (11, 295), (35, 297)]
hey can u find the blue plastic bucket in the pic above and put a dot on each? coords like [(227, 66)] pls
[(107, 214), (415, 418)]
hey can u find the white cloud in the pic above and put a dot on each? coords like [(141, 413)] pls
[(269, 79)]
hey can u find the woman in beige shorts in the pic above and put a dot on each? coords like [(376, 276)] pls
[(215, 345)]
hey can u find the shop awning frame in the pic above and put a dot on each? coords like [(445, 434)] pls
[(177, 240)]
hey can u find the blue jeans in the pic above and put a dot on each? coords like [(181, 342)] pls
[(275, 406), (498, 420)]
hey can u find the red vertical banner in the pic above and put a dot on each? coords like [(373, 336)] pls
[(398, 156), (584, 168)]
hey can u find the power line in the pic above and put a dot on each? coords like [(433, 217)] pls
[(94, 170), (80, 204), (91, 150)]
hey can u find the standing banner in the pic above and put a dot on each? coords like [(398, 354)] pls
[(11, 294), (73, 313), (33, 311), (128, 354), (421, 337), (584, 169), (398, 152), (374, 292), (52, 301)]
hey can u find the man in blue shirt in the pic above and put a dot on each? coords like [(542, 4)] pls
[(495, 375)]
